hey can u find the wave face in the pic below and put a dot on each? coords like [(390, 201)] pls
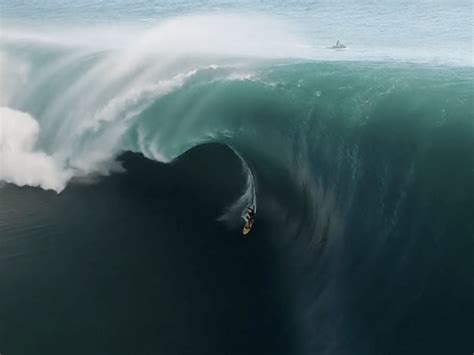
[(363, 171)]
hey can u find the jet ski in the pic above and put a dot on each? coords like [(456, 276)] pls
[(338, 45)]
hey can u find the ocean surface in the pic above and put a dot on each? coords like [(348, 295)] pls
[(135, 134)]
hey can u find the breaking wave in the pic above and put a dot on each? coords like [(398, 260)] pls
[(363, 171)]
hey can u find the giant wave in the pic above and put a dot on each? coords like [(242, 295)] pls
[(363, 171)]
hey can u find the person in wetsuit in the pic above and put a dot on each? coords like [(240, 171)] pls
[(250, 214), (250, 217)]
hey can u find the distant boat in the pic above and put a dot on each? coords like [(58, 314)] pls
[(338, 45)]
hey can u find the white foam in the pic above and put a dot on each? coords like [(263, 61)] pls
[(20, 164)]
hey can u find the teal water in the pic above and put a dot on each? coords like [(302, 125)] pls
[(133, 135)]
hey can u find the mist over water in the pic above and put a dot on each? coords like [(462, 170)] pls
[(134, 136), (420, 31)]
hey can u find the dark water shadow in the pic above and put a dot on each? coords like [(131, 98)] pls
[(137, 264)]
